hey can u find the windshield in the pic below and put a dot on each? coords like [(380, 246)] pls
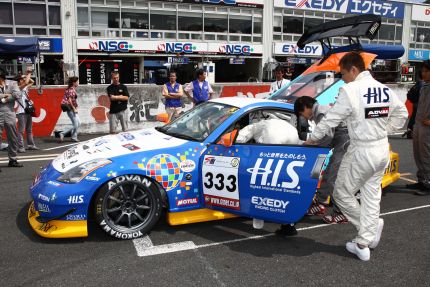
[(311, 85), (198, 123)]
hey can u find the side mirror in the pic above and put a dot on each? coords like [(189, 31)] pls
[(228, 139), (164, 118)]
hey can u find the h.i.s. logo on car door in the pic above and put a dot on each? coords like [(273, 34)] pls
[(276, 175)]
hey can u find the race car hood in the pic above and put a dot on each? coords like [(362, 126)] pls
[(110, 146)]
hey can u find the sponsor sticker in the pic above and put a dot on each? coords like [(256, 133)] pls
[(376, 112), (276, 175), (73, 199), (269, 204), (92, 178), (43, 197), (131, 147), (220, 181), (43, 207), (188, 165), (76, 217), (187, 201)]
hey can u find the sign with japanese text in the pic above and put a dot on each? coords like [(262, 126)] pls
[(387, 9)]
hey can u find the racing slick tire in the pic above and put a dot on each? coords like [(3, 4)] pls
[(128, 206)]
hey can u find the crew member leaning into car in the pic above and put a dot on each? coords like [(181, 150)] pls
[(371, 111), (201, 89)]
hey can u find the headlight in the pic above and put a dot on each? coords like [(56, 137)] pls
[(77, 173)]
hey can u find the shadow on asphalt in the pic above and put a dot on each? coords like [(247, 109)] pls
[(241, 228), (95, 234)]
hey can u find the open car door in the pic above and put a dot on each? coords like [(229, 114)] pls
[(271, 182)]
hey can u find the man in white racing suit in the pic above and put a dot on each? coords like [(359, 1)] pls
[(371, 111)]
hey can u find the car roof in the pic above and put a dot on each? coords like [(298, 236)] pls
[(240, 102)]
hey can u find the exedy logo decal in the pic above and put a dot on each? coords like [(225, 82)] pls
[(316, 4)]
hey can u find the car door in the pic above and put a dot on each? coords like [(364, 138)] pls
[(270, 182)]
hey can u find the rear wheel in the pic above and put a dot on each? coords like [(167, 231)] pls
[(128, 206)]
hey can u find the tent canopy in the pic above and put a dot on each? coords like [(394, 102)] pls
[(18, 46)]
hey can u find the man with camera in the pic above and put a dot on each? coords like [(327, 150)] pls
[(24, 113)]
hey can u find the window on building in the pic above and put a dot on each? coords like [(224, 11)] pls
[(240, 24), (399, 31), (163, 20), (293, 25), (6, 31), (135, 20), (54, 15), (258, 23), (386, 32), (26, 14), (113, 19), (190, 21), (83, 19), (312, 22), (105, 19), (277, 24), (6, 14), (39, 31), (216, 23), (423, 35), (23, 31), (55, 32)]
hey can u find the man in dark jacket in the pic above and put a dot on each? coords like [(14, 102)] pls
[(413, 96), (118, 95)]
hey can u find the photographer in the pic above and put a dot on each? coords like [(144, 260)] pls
[(24, 115)]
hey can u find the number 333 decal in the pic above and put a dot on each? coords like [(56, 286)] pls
[(227, 182), (219, 176)]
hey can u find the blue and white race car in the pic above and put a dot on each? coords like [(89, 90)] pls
[(192, 167)]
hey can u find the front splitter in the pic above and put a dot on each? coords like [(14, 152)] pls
[(56, 228)]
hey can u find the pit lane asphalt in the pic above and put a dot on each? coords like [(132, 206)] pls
[(316, 257)]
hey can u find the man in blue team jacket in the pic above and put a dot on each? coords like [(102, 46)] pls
[(173, 92), (201, 89)]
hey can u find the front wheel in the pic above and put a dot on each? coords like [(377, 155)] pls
[(128, 206)]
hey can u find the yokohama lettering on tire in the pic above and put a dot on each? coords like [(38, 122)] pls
[(128, 206)]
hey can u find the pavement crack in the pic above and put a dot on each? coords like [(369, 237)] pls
[(209, 268)]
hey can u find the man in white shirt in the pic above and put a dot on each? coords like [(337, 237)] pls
[(200, 88), (280, 81)]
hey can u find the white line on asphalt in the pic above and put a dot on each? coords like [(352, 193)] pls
[(163, 249), (33, 156), (144, 249), (61, 146), (407, 179), (30, 159), (407, 173)]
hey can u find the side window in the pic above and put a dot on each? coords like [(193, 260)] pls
[(252, 129)]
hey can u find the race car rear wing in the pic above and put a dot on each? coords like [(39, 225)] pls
[(352, 27)]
